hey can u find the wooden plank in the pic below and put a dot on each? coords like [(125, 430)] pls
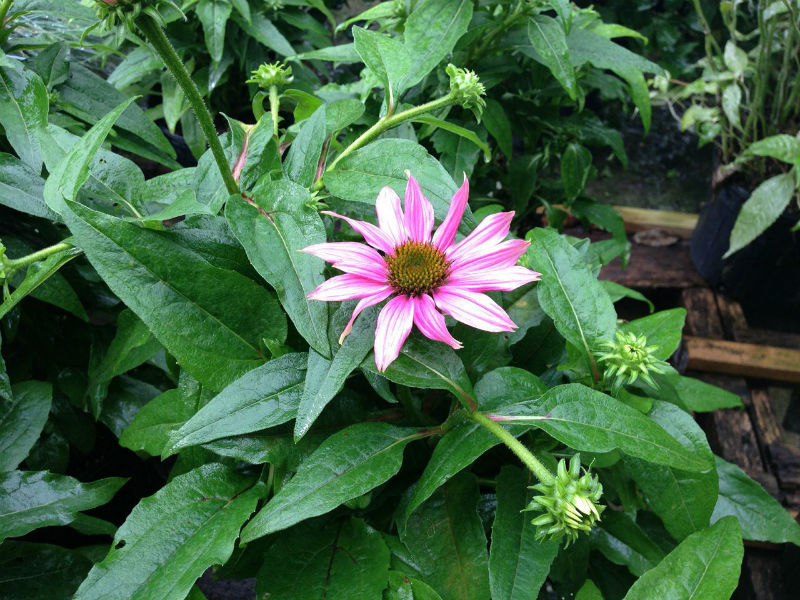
[(786, 459), (745, 360), (733, 319), (766, 425), (702, 318), (655, 267), (639, 219)]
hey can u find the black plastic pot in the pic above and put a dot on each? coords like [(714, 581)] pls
[(765, 274)]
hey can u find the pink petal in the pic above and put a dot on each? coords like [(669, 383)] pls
[(364, 303), (446, 232), (345, 287), (394, 325), (390, 216), (493, 280), (474, 309), (502, 255), (431, 322), (492, 230), (373, 235), (418, 211), (352, 257)]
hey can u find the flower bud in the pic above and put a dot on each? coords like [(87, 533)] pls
[(466, 88), (569, 503), (115, 12), (629, 358), (269, 74)]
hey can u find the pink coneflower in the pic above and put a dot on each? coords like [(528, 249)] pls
[(426, 273)]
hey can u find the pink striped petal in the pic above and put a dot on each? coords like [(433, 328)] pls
[(492, 230), (418, 212), (473, 309), (373, 235), (345, 287), (493, 280), (502, 255), (334, 252), (446, 233), (394, 325), (390, 216), (364, 303), (431, 322)]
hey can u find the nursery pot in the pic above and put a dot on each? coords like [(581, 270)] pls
[(764, 274)]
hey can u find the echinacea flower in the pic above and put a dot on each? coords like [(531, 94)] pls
[(423, 272)]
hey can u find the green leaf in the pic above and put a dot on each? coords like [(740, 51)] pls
[(325, 378), (263, 31), (155, 422), (21, 188), (303, 157), (576, 164), (184, 528), (341, 113), (457, 155), (569, 292), (33, 499), (346, 465), (662, 329), (264, 397), (138, 64), (684, 500), (210, 319), (699, 396), (589, 591), (550, 42), (518, 563), (623, 542), (499, 127), (342, 54), (73, 170), (403, 587), (446, 538), (24, 106), (340, 561), (22, 419), (243, 7), (214, 14), (431, 33), (360, 176), (32, 571), (428, 365), (760, 516), (705, 565), (507, 385), (731, 99), (617, 291), (761, 209), (52, 64), (461, 132), (735, 58), (272, 235), (781, 147), (387, 58), (587, 420)]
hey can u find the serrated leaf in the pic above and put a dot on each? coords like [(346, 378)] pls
[(185, 527), (705, 565), (22, 418), (264, 397), (33, 499), (346, 465), (210, 319)]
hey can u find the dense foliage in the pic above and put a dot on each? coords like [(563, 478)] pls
[(172, 399)]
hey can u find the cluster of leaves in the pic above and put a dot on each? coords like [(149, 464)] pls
[(174, 323)]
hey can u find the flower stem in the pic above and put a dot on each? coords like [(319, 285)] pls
[(15, 264), (4, 6), (158, 40), (525, 455), (392, 121), (274, 105)]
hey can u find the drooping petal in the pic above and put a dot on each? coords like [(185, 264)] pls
[(373, 235), (499, 256), (362, 304), (418, 212), (345, 287), (431, 322), (493, 280), (446, 232), (472, 308), (492, 230), (334, 252), (394, 325), (390, 216)]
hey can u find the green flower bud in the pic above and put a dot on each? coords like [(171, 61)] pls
[(629, 358), (466, 88), (273, 5), (267, 75), (569, 503), (124, 12)]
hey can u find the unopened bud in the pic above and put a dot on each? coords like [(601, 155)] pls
[(629, 358), (269, 74), (466, 88)]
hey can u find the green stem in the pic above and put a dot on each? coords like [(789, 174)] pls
[(387, 123), (5, 5), (15, 264), (155, 35), (525, 455), (274, 105)]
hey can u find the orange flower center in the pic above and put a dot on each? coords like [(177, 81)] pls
[(416, 268)]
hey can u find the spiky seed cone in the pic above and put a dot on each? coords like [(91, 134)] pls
[(629, 358)]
